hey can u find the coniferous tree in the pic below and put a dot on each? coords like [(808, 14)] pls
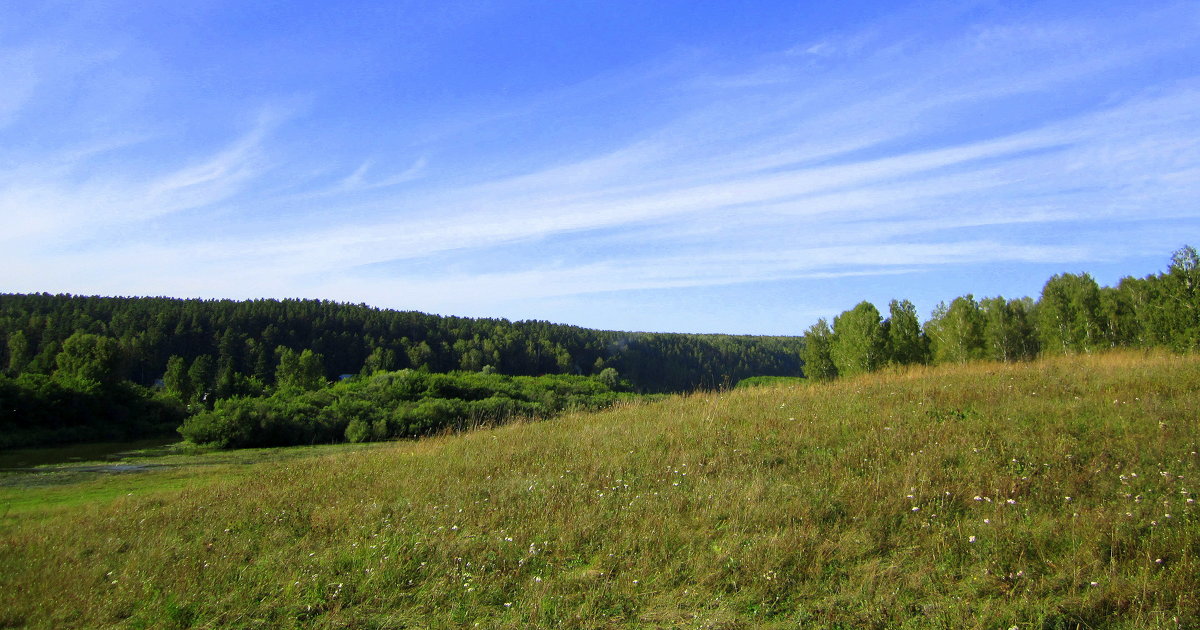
[(257, 362), (229, 347), (243, 334), (226, 381)]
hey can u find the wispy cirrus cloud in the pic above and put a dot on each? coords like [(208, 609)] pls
[(74, 197), (1011, 140), (982, 183)]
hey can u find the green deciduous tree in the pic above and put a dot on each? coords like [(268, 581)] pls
[(956, 332), (175, 379), (380, 359), (90, 357), (1008, 331), (906, 342), (471, 360), (19, 352), (858, 343), (420, 355), (1068, 314), (1180, 300), (45, 361), (202, 376), (1119, 325), (311, 370), (304, 370), (816, 353), (609, 377), (287, 372)]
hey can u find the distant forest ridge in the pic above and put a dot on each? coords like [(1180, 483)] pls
[(256, 373), (229, 347), (205, 350)]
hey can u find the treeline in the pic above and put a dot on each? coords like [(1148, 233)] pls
[(1073, 314), (73, 367), (386, 405), (226, 347), (86, 368)]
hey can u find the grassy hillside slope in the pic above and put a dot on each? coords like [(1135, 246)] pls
[(1057, 494)]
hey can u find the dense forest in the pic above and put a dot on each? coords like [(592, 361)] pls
[(225, 347), (82, 368), (270, 371)]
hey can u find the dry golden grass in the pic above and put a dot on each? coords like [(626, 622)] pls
[(1057, 494)]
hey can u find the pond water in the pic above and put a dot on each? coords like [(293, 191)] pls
[(90, 452)]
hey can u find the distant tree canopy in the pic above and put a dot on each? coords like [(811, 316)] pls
[(89, 367), (194, 353), (309, 342), (1073, 314)]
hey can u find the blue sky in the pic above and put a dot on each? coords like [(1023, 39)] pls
[(668, 166)]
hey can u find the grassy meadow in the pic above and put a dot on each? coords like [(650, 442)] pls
[(1052, 494)]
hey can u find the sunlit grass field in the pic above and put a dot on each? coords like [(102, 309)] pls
[(1055, 494)]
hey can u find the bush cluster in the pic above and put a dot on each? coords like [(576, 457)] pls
[(387, 405), (39, 409)]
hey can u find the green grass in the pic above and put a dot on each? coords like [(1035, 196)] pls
[(929, 498), (92, 451), (43, 490), (772, 381)]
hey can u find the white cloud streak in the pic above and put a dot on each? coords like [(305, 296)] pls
[(892, 157), (65, 201)]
